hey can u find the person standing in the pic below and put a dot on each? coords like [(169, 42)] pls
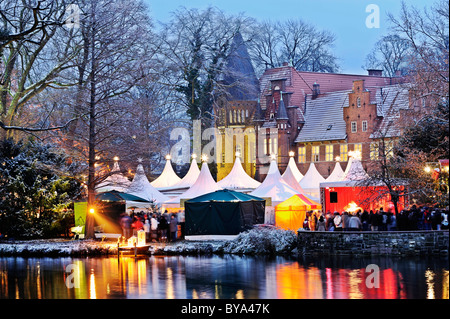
[(354, 223), (125, 223), (173, 227), (337, 222), (153, 228), (321, 224)]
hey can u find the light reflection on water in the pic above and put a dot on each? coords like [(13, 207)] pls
[(179, 277)]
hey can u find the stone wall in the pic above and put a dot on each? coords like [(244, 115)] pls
[(398, 243)]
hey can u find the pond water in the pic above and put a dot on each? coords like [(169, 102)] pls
[(210, 277)]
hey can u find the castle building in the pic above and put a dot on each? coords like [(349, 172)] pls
[(321, 117)]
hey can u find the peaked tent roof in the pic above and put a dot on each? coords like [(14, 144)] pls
[(167, 178), (354, 170), (191, 176), (140, 186), (312, 178), (290, 179), (238, 178), (224, 195), (274, 186), (204, 184), (116, 181), (294, 169), (337, 173)]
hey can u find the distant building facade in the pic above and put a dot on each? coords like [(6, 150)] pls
[(320, 117)]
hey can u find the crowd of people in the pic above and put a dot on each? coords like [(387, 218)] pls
[(158, 227), (414, 218)]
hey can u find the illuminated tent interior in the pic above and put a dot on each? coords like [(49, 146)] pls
[(311, 181), (116, 181), (291, 213), (140, 186), (238, 179), (223, 212), (348, 194), (168, 177)]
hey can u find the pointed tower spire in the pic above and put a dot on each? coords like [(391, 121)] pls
[(282, 113)]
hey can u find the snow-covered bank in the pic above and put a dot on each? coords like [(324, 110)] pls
[(260, 241)]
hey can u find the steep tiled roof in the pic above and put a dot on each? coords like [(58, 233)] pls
[(301, 83), (324, 118), (390, 100)]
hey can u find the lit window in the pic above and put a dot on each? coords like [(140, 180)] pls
[(315, 153), (231, 116), (374, 151), (275, 146), (389, 149), (358, 148), (364, 126), (329, 153), (302, 154), (265, 145), (344, 152), (354, 127)]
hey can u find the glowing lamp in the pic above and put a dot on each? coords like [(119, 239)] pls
[(168, 157), (140, 238), (238, 154), (194, 156), (132, 240), (204, 158), (427, 169), (291, 153), (273, 157), (116, 158), (92, 211), (338, 158)]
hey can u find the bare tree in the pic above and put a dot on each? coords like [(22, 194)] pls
[(35, 49), (390, 54), (294, 41)]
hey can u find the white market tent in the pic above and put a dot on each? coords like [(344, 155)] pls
[(191, 176), (294, 169), (238, 179), (354, 171), (311, 181), (204, 184), (167, 178), (337, 173), (116, 181), (274, 186), (290, 179), (140, 186)]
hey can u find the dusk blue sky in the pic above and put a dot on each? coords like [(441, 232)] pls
[(345, 18)]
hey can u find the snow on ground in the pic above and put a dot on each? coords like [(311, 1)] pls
[(258, 241)]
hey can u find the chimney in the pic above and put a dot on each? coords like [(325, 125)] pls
[(375, 72), (316, 90)]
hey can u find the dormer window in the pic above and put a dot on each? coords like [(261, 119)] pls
[(329, 127)]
